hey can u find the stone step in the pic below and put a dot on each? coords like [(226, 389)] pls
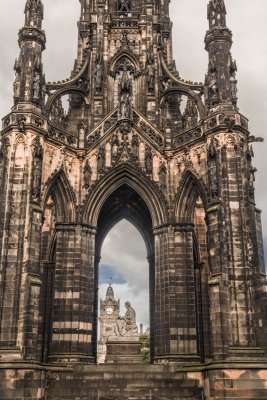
[(235, 393)]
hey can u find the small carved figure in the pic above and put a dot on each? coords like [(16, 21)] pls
[(87, 173), (135, 146), (213, 170), (148, 160), (125, 107), (36, 185), (162, 175), (37, 169), (21, 119), (57, 114), (126, 326), (16, 87), (150, 77), (99, 77), (36, 86), (115, 145), (101, 160), (190, 115), (124, 40), (213, 88), (233, 87)]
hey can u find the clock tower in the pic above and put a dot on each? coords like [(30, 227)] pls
[(109, 313)]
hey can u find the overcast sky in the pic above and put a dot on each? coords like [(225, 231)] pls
[(246, 18)]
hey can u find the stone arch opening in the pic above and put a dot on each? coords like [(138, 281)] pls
[(123, 276), (191, 208), (126, 203)]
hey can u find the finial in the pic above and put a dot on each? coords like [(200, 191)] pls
[(110, 293), (217, 13), (34, 13)]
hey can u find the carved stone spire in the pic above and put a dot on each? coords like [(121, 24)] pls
[(34, 13), (216, 13), (221, 78), (29, 79)]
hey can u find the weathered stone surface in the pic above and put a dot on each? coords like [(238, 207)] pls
[(126, 148)]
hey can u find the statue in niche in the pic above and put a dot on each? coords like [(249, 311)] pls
[(162, 175), (115, 145), (37, 170), (16, 84), (99, 76), (148, 160), (125, 107), (101, 160), (34, 13), (87, 174), (21, 119), (57, 114), (126, 326), (150, 76), (135, 145), (36, 86), (190, 116), (233, 81), (213, 170), (160, 41), (125, 6), (167, 116), (213, 82), (16, 87), (125, 90)]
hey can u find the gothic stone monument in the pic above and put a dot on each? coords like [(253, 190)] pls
[(127, 149)]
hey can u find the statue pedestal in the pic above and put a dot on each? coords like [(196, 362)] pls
[(124, 350)]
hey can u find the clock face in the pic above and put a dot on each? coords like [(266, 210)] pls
[(109, 310)]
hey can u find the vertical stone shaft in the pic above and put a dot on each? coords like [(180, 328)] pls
[(175, 327), (73, 308)]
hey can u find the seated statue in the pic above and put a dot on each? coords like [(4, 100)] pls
[(126, 326)]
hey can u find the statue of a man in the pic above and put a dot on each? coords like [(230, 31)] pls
[(126, 326)]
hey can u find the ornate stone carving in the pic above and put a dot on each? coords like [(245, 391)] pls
[(213, 82), (87, 174), (33, 13), (36, 87), (212, 168), (99, 75), (21, 119), (148, 160), (135, 145), (101, 160), (162, 175), (125, 107), (37, 170), (190, 116)]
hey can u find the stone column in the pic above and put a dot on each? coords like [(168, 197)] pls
[(74, 295), (14, 212), (175, 295)]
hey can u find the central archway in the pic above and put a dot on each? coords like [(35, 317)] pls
[(126, 203)]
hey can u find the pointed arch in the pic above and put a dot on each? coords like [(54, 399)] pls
[(59, 188), (128, 175), (191, 187), (125, 54)]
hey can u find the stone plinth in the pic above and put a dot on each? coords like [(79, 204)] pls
[(124, 350)]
